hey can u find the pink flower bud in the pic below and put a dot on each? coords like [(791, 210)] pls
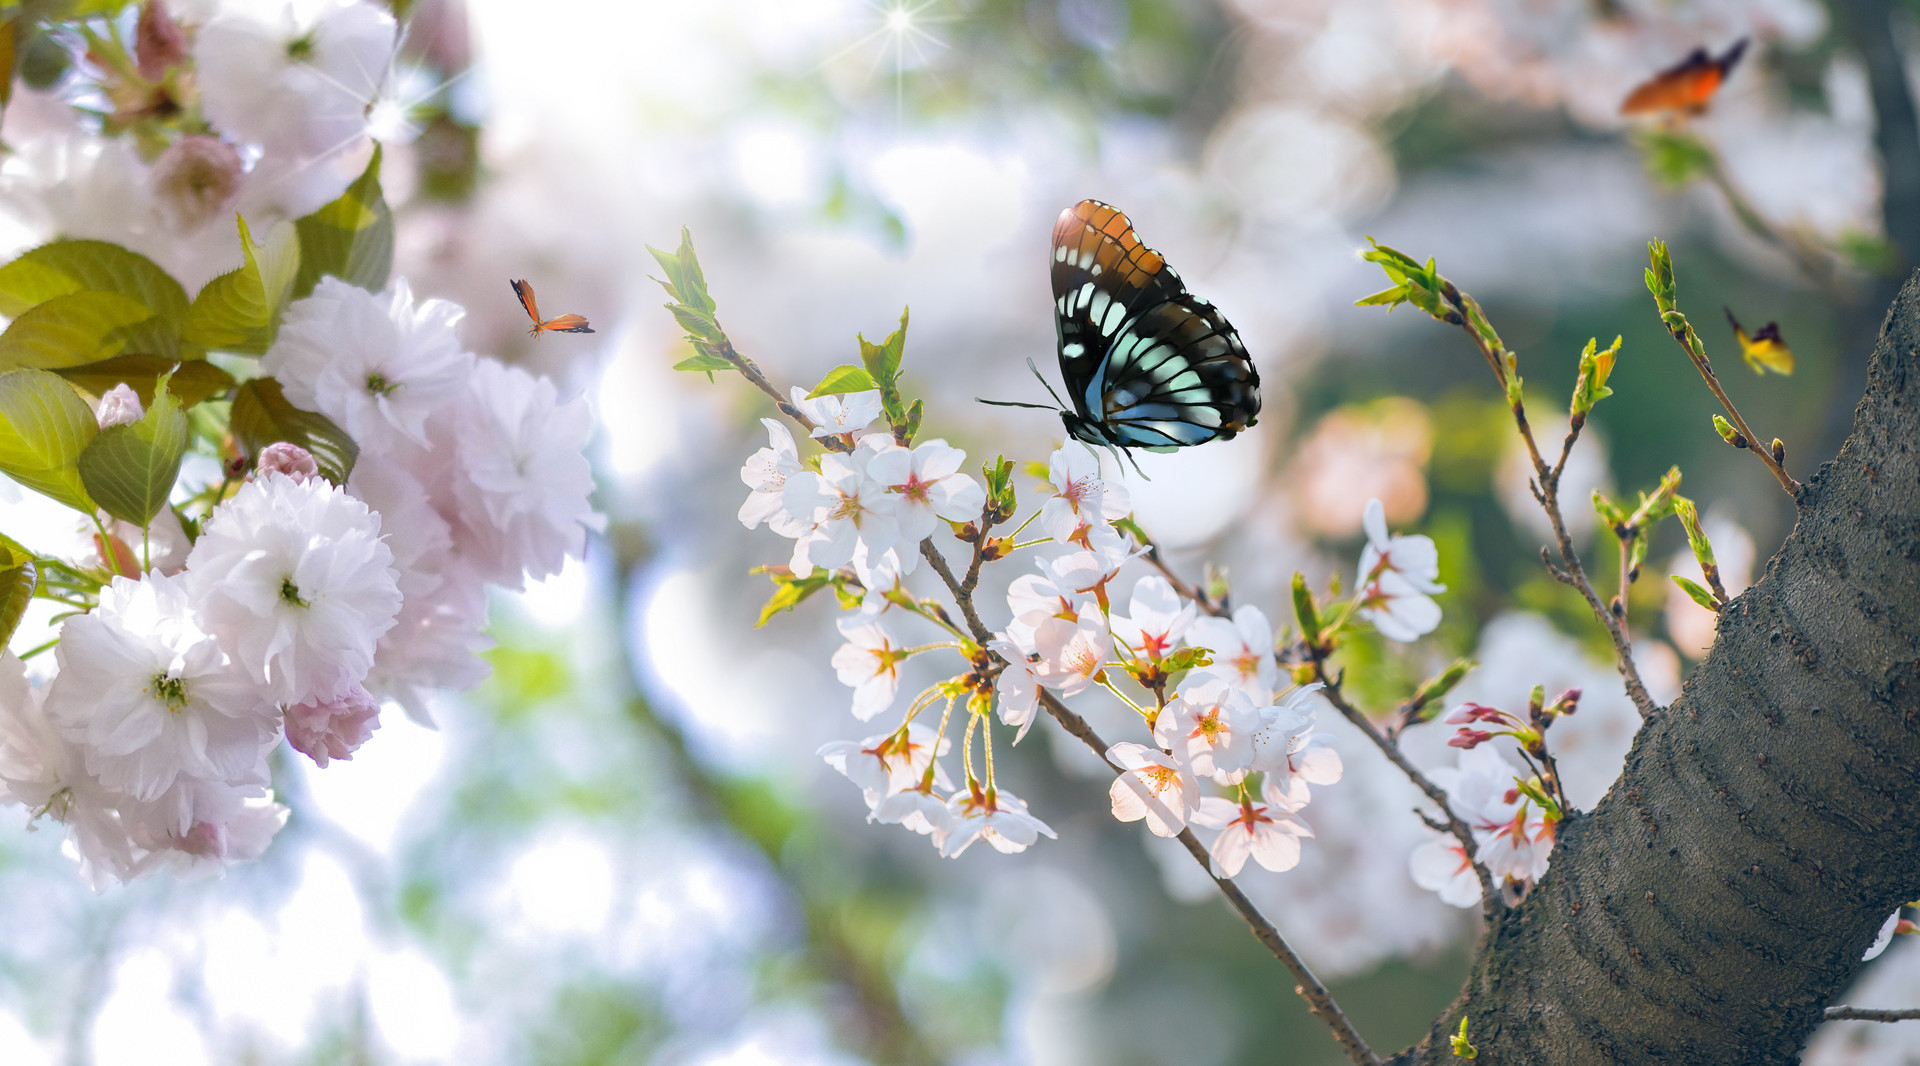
[(334, 729), (1906, 928), (1513, 796), (1567, 702), (119, 406), (205, 839), (292, 460), (157, 41), (196, 181), (1469, 738)]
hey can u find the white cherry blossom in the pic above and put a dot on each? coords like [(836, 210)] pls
[(1287, 753), (1242, 650), (375, 363), (297, 78), (1397, 580), (1441, 866), (1213, 724), (1157, 618), (1018, 688), (1153, 785), (929, 484), (1071, 651), (297, 585), (150, 698), (1262, 831), (1084, 504), (846, 414), (869, 663), (765, 474), (999, 817), (850, 514)]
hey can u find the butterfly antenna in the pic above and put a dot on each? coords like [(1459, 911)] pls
[(1013, 403), (1044, 384)]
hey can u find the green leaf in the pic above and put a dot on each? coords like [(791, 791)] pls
[(883, 360), (1187, 659), (193, 381), (1304, 610), (262, 415), (130, 469), (841, 380), (239, 311), (71, 330), (1675, 158), (1434, 689), (44, 426), (1696, 593), (16, 591), (350, 238), (789, 592), (1388, 298), (65, 267), (685, 281), (703, 361)]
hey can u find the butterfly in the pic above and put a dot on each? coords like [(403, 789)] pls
[(1764, 350), (1148, 364), (1685, 87), (562, 324)]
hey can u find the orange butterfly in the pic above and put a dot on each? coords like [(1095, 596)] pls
[(1685, 87), (562, 324)]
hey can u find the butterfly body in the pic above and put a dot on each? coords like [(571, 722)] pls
[(559, 324), (1685, 87), (1147, 363)]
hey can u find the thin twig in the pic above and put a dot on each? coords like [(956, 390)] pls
[(1547, 489), (1319, 1001), (1754, 444), (1844, 1013), (1490, 901)]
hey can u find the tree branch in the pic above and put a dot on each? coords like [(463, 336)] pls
[(1844, 1013)]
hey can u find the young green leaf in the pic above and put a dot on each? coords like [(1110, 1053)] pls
[(262, 415), (350, 238), (685, 282), (841, 380), (1304, 610), (701, 361), (1694, 592), (17, 583), (883, 360), (44, 426), (130, 469), (71, 330), (239, 311), (789, 592)]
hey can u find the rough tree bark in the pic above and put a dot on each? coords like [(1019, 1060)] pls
[(1764, 826)]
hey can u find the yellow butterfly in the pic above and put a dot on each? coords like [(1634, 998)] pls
[(1764, 350)]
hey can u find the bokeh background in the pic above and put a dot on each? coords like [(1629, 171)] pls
[(622, 847)]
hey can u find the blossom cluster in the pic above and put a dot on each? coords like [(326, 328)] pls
[(1232, 746), (268, 110), (301, 607)]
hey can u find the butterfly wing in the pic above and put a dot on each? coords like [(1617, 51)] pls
[(566, 324), (1148, 364), (527, 302), (1685, 86)]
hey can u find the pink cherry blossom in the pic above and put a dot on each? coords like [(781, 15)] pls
[(1157, 618), (1084, 505), (929, 485), (324, 730), (1072, 651), (280, 457), (1214, 724), (1261, 831), (1242, 650)]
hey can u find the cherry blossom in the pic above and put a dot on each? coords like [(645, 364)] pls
[(523, 494), (297, 585), (1018, 687), (1084, 505), (929, 484), (843, 415), (150, 698), (298, 79), (1287, 753), (869, 663), (119, 406), (377, 364), (997, 816), (1213, 724), (1884, 937), (1071, 651), (1157, 618), (1513, 836), (1153, 785), (324, 730), (850, 515), (1397, 580), (765, 473), (294, 461), (1441, 865), (1243, 650), (1261, 830)]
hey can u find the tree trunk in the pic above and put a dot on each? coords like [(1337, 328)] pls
[(1765, 825)]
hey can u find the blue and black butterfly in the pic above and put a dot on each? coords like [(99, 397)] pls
[(1147, 363)]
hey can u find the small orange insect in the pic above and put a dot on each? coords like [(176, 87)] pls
[(561, 324), (1685, 87)]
